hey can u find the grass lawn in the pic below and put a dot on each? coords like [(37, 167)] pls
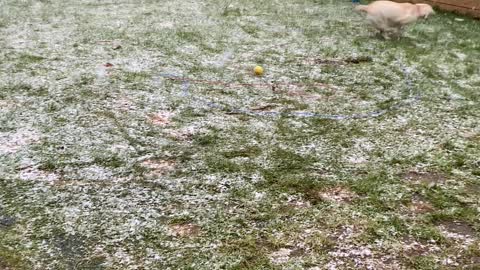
[(134, 135)]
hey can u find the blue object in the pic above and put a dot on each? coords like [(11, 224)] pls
[(356, 1)]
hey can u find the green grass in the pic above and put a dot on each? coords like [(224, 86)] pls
[(94, 182)]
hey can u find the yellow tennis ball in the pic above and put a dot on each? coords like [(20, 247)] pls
[(258, 70)]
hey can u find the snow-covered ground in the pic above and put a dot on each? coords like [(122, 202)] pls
[(134, 135)]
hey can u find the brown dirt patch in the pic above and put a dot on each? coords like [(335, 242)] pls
[(160, 167), (161, 118), (303, 94), (472, 136), (181, 135), (4, 265), (265, 107), (337, 194), (293, 207), (346, 61), (125, 104), (420, 205), (412, 248), (185, 230), (298, 252), (459, 228)]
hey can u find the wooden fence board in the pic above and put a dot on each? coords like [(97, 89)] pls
[(467, 7)]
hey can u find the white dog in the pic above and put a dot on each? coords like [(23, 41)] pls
[(390, 17)]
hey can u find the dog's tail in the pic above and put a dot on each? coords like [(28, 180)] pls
[(363, 8)]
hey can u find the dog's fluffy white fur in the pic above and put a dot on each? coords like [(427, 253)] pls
[(390, 17)]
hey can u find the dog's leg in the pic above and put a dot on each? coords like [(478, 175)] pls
[(385, 34), (380, 30), (397, 32)]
